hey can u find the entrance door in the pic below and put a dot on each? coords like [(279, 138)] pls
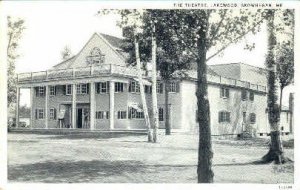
[(86, 118), (79, 118)]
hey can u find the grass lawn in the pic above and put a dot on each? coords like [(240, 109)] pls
[(130, 159)]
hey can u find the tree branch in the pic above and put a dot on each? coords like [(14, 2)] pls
[(218, 27), (9, 42), (237, 38), (196, 56)]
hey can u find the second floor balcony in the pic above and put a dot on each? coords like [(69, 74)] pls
[(80, 72)]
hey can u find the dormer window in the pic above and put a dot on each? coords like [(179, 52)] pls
[(96, 57)]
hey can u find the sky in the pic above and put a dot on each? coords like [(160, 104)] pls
[(52, 26)]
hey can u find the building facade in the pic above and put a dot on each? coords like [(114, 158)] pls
[(96, 90)]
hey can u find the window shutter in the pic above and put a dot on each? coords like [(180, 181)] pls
[(36, 91), (227, 92), (64, 89), (221, 90), (177, 87), (55, 88), (36, 114), (107, 86), (220, 115), (130, 87), (97, 88), (44, 87), (129, 113), (54, 113), (87, 88)]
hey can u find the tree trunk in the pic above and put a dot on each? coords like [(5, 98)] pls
[(142, 91), (154, 80), (205, 154), (167, 122), (280, 100), (276, 150)]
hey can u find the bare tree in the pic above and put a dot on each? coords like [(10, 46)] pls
[(66, 53)]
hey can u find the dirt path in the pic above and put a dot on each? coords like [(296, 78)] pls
[(130, 159)]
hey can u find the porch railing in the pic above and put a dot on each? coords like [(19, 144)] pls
[(93, 71), (73, 73)]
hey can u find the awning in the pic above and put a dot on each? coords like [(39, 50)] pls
[(145, 82), (135, 106)]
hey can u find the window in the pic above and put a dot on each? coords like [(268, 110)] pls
[(52, 113), (140, 115), (134, 113), (103, 87), (244, 95), (68, 89), (174, 87), (224, 92), (224, 116), (159, 88), (252, 118), (99, 115), (160, 114), (102, 114), (251, 96), (81, 88), (78, 90), (282, 128), (118, 87), (40, 91), (52, 90), (134, 86), (148, 89), (84, 88), (39, 114), (121, 114)]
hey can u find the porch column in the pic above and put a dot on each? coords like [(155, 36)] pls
[(92, 106), (32, 108), (46, 106), (73, 106), (17, 107), (111, 104)]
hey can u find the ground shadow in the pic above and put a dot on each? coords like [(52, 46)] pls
[(91, 136), (74, 172), (236, 164), (69, 172)]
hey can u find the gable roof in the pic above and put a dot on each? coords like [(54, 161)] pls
[(113, 42), (64, 64)]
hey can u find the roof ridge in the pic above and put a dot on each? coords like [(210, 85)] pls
[(241, 63), (121, 38)]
